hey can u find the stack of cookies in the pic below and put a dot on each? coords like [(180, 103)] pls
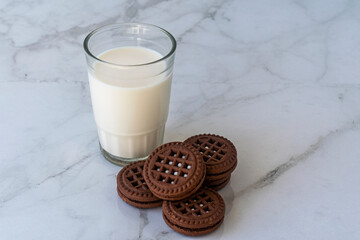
[(182, 177), (220, 157)]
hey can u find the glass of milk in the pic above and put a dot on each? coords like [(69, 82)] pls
[(130, 68)]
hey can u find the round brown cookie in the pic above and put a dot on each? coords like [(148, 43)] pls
[(139, 204), (192, 232), (216, 182), (214, 177), (218, 153), (174, 171), (199, 214), (219, 186), (132, 188)]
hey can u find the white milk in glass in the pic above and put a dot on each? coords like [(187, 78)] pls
[(130, 103)]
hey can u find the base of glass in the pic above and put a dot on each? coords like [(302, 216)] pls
[(119, 160)]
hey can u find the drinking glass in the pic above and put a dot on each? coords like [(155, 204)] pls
[(130, 100)]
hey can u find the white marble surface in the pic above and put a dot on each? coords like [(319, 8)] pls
[(279, 78)]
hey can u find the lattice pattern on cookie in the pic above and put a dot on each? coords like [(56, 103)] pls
[(212, 149), (196, 206), (172, 167), (135, 176)]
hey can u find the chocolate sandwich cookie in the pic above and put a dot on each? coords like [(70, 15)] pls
[(199, 214), (132, 188), (220, 176), (174, 171), (217, 184), (219, 154)]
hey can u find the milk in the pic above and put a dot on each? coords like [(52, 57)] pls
[(130, 104)]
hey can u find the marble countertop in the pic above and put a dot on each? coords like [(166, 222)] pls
[(279, 78)]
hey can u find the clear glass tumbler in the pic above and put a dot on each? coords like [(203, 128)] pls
[(130, 69)]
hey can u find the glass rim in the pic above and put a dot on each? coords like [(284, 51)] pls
[(114, 25)]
